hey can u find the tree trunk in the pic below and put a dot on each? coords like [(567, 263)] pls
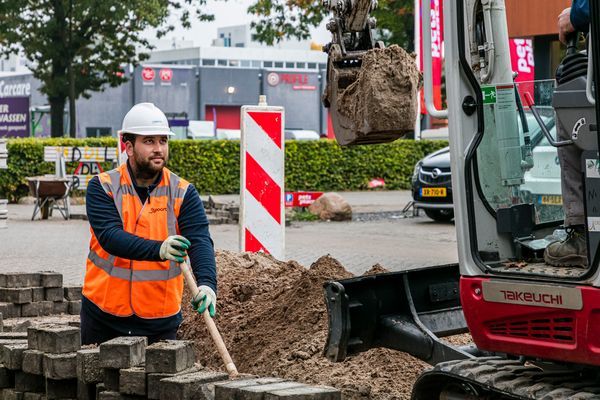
[(57, 114), (72, 110)]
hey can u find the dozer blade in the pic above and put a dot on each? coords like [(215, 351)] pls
[(371, 94), (406, 311)]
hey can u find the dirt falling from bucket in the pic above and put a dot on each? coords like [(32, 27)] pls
[(384, 96), (273, 318)]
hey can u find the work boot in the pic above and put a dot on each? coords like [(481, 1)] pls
[(571, 252)]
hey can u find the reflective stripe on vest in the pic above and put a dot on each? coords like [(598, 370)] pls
[(123, 287)]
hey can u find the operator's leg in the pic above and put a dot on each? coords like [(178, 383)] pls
[(572, 251)]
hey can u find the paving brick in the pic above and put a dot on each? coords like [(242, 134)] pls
[(227, 390), (10, 310), (37, 294), (13, 335), (133, 381), (34, 396), (123, 352), (189, 386), (33, 362), (74, 307), (72, 293), (60, 307), (111, 379), (258, 392), (88, 365), (53, 294), (170, 356), (19, 280), (12, 355), (25, 382), (16, 295), (60, 366), (40, 308), (50, 279), (59, 339), (61, 389), (11, 394), (7, 377), (17, 324), (305, 393), (109, 395), (1, 323), (153, 381)]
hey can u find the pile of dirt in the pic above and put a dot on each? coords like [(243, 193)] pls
[(384, 96), (273, 318)]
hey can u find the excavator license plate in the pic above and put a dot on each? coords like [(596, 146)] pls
[(433, 192)]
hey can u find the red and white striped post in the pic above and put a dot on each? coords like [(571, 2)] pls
[(262, 207)]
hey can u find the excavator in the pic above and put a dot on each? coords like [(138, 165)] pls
[(534, 327)]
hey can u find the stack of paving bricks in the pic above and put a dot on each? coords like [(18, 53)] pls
[(221, 213), (37, 294)]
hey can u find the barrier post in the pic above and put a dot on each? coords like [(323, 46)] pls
[(262, 207)]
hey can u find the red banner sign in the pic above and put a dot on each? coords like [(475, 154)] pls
[(437, 43), (301, 199), (521, 57)]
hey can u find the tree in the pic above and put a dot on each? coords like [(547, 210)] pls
[(279, 19), (76, 47)]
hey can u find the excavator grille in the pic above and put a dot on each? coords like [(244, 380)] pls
[(555, 328)]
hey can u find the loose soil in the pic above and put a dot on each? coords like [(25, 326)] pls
[(273, 319)]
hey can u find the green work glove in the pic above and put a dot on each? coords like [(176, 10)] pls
[(206, 298), (174, 248)]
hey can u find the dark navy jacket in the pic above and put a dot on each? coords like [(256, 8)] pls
[(580, 15)]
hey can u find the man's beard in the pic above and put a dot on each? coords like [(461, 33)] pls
[(146, 168)]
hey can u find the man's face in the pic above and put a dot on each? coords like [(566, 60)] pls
[(150, 154)]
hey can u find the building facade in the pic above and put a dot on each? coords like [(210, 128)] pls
[(200, 84)]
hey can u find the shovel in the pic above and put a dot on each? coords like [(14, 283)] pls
[(210, 324)]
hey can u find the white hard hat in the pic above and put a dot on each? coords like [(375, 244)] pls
[(146, 119)]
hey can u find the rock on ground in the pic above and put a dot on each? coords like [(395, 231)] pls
[(331, 206)]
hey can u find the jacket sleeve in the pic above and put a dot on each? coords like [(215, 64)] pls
[(580, 15), (108, 227), (193, 225)]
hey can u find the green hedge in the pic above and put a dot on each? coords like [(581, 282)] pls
[(213, 166)]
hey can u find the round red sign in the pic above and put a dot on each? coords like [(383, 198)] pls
[(148, 74), (166, 74)]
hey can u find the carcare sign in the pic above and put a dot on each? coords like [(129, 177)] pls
[(14, 116), (437, 55)]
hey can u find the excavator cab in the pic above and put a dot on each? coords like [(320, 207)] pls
[(534, 325)]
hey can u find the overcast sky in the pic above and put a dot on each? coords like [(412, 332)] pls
[(227, 13)]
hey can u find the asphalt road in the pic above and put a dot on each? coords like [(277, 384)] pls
[(385, 238)]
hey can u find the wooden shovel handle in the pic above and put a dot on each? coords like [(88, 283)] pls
[(212, 328)]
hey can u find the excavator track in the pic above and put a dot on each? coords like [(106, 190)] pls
[(496, 378)]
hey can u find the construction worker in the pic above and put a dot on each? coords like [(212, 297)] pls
[(144, 221), (572, 251)]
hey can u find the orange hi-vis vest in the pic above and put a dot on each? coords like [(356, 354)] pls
[(124, 287)]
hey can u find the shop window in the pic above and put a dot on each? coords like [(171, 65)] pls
[(234, 63), (97, 132), (245, 63), (256, 63), (301, 65), (322, 66), (208, 62), (222, 63), (289, 65), (312, 65), (268, 64), (278, 64)]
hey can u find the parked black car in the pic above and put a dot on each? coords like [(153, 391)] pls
[(432, 185)]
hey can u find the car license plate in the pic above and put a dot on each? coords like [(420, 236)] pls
[(433, 192), (551, 200)]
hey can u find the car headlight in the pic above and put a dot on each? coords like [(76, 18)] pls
[(415, 174)]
